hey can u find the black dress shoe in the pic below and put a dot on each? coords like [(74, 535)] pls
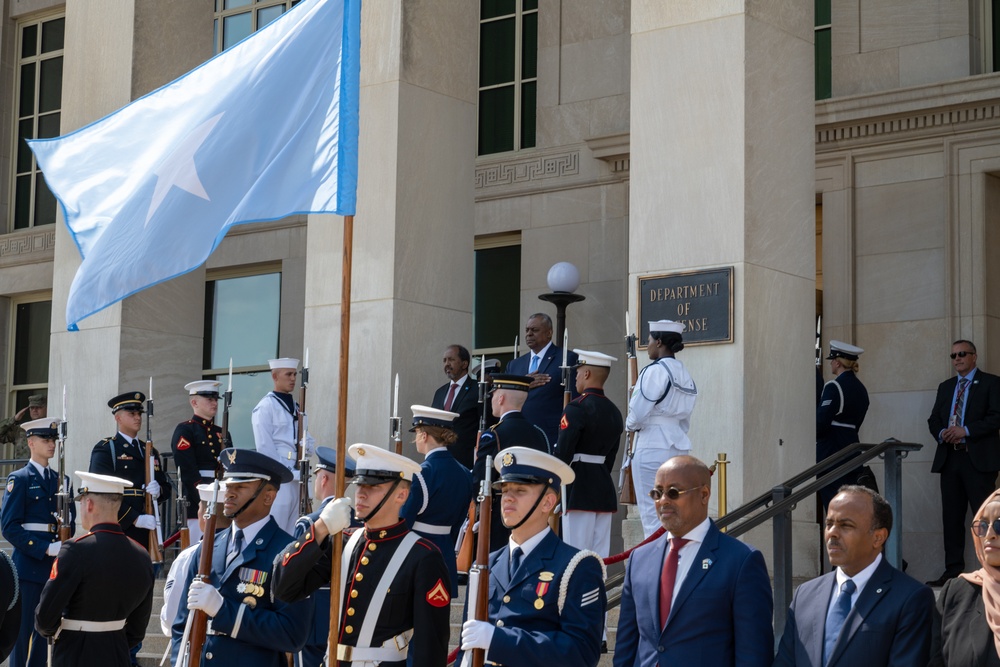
[(604, 647), (939, 582)]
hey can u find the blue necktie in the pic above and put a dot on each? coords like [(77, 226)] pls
[(515, 561), (237, 546), (835, 619), (533, 366)]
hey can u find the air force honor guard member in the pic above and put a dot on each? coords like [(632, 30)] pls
[(395, 600), (247, 625), (27, 520), (196, 445), (124, 455), (442, 490), (547, 598), (99, 595), (276, 433), (324, 485)]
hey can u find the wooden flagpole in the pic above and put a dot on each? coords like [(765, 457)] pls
[(345, 341)]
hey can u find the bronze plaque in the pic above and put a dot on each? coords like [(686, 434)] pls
[(702, 300)]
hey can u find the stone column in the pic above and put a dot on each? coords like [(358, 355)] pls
[(113, 55), (722, 124), (413, 231)]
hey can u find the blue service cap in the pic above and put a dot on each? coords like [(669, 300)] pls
[(130, 400), (523, 465), (245, 465), (328, 461)]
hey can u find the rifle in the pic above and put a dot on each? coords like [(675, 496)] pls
[(395, 425), (479, 576), (305, 493), (465, 550), (152, 507), (627, 494), (197, 619), (63, 499), (182, 506), (567, 390)]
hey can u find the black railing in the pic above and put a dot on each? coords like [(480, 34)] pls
[(778, 504)]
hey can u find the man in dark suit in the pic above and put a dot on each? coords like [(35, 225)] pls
[(695, 596), (964, 421), (460, 395), (544, 406), (865, 612)]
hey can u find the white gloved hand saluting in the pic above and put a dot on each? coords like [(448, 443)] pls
[(153, 489), (204, 596), (146, 522), (53, 549), (336, 516), (476, 634)]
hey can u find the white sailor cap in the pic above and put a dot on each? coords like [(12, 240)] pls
[(841, 349), (425, 416), (666, 325), (46, 427), (209, 388), (284, 362), (587, 358), (523, 465), (91, 482), (205, 492), (375, 465)]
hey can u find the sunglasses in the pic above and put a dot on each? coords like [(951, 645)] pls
[(981, 527), (671, 493), (961, 355)]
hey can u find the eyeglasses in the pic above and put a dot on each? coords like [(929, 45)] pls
[(671, 493), (961, 355), (981, 527)]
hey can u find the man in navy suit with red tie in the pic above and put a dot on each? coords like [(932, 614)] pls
[(543, 363), (964, 421), (695, 596), (460, 395)]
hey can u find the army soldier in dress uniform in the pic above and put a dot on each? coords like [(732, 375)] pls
[(324, 484), (124, 455), (247, 625), (28, 522), (100, 593), (442, 490), (395, 600), (547, 598), (196, 445), (506, 399)]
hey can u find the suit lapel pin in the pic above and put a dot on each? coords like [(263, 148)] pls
[(707, 563), (260, 541), (878, 590)]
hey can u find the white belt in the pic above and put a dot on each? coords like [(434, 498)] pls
[(843, 425), (207, 473), (91, 626), (391, 650), (422, 527), (40, 527), (588, 458)]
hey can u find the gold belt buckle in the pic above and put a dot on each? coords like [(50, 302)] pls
[(400, 638), (344, 652)]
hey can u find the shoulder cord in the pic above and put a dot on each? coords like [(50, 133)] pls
[(564, 582), (17, 583)]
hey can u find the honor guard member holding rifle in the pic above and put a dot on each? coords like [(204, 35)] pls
[(123, 455), (324, 485), (28, 522), (246, 626), (395, 600), (276, 433), (442, 490), (97, 601), (196, 445), (546, 598)]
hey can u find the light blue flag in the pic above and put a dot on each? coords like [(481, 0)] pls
[(266, 129)]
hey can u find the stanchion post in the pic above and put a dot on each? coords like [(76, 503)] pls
[(723, 485)]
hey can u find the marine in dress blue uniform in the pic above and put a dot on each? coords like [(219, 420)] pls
[(842, 409), (442, 490), (312, 653), (247, 625), (28, 522), (395, 603), (100, 593), (531, 622), (125, 457)]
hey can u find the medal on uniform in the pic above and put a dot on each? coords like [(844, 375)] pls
[(250, 601), (251, 581), (542, 588)]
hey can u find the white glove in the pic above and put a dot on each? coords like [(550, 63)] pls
[(146, 522), (53, 549), (337, 515), (153, 489), (476, 634), (204, 596)]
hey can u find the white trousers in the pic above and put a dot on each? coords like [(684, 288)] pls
[(588, 530), (645, 462), (285, 509)]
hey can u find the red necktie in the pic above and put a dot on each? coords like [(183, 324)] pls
[(668, 577), (451, 396)]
